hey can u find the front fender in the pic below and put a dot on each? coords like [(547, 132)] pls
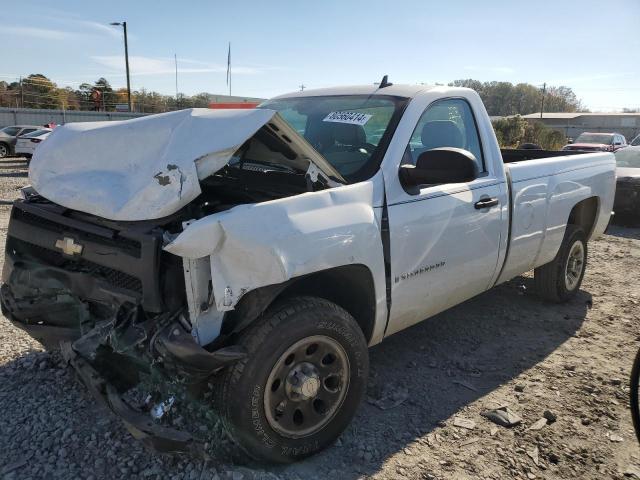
[(251, 246)]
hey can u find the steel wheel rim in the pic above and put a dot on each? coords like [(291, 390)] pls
[(306, 386), (575, 265)]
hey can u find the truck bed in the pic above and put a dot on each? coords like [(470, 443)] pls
[(544, 186), (510, 155)]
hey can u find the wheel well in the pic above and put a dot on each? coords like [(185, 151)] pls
[(584, 214), (349, 286)]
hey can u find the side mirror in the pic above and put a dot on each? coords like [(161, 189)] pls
[(440, 165)]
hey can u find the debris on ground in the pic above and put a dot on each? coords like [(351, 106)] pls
[(464, 423), (503, 416), (538, 425), (534, 454), (390, 398)]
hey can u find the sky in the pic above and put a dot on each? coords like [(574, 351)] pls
[(277, 46)]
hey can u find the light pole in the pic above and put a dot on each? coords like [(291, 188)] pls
[(126, 59)]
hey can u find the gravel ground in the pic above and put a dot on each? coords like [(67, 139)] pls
[(428, 387)]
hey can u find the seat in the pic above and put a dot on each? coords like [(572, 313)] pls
[(349, 134), (441, 133)]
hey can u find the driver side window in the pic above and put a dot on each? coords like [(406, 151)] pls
[(446, 123)]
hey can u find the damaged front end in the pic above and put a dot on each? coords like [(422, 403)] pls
[(147, 262), (116, 304)]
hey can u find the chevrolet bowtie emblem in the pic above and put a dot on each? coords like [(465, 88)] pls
[(69, 246)]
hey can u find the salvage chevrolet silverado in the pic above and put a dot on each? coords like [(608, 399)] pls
[(264, 250)]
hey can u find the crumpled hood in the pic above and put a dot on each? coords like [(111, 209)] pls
[(149, 167)]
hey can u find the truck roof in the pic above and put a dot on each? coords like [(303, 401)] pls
[(407, 91)]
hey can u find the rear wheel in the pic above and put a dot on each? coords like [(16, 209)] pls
[(301, 383), (4, 150), (560, 279)]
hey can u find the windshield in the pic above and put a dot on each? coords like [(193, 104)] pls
[(603, 138), (10, 130), (350, 132), (636, 142)]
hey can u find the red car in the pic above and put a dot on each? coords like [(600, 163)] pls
[(597, 142)]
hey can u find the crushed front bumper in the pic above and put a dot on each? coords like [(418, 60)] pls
[(106, 309), (140, 425)]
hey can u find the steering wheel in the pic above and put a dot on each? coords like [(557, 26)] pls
[(368, 147)]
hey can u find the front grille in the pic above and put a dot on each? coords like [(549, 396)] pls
[(127, 245), (53, 258)]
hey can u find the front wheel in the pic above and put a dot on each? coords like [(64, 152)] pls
[(301, 383), (560, 279), (4, 150)]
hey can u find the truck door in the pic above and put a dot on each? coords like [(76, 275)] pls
[(444, 239)]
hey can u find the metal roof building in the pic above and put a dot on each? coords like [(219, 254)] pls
[(573, 124)]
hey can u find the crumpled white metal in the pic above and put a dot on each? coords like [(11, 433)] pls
[(149, 167), (254, 245)]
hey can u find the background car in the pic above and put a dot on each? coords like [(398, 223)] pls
[(26, 144), (8, 136), (598, 142), (627, 202)]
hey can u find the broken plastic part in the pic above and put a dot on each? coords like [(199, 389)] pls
[(160, 409), (152, 435)]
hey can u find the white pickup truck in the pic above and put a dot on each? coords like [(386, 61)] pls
[(264, 250)]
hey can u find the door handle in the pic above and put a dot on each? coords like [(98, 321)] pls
[(486, 203)]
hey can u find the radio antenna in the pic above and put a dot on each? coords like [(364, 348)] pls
[(385, 82)]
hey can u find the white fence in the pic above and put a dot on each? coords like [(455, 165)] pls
[(32, 116)]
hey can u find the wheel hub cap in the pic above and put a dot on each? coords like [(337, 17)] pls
[(306, 386), (575, 264), (303, 381)]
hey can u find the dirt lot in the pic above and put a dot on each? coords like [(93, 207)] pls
[(503, 347)]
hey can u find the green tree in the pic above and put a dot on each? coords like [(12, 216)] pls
[(109, 97), (510, 131), (504, 98), (39, 92)]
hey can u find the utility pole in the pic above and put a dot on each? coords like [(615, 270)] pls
[(21, 94), (229, 68), (175, 58), (544, 91), (126, 59)]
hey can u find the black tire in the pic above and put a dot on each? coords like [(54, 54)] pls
[(549, 279), (635, 394), (243, 393), (5, 150)]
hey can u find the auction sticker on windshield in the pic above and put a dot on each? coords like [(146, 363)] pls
[(354, 118)]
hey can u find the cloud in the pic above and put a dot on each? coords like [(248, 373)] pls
[(499, 69), (111, 30), (141, 65), (45, 33), (590, 78)]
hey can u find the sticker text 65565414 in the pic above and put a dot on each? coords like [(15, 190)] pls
[(353, 118)]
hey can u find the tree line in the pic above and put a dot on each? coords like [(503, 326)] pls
[(505, 98), (38, 91)]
